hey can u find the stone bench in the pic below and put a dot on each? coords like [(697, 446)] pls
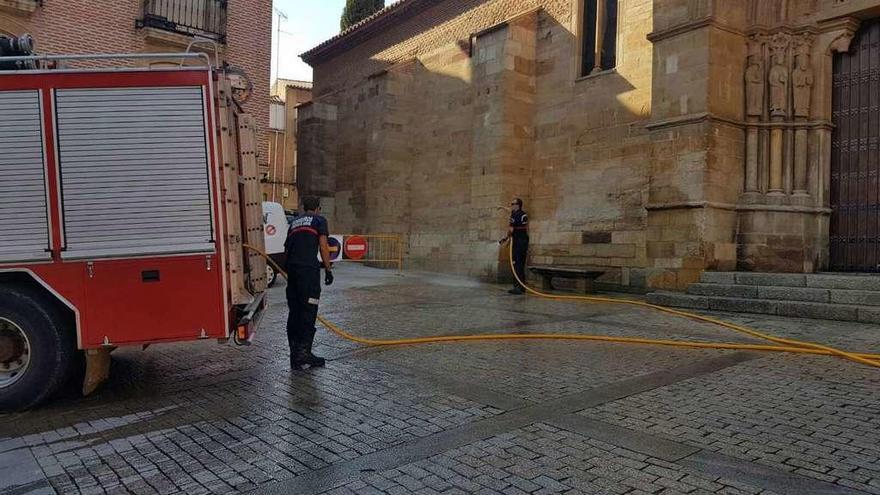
[(548, 273)]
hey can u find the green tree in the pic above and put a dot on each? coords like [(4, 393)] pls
[(357, 10)]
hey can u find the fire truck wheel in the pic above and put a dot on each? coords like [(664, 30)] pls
[(271, 275), (36, 349)]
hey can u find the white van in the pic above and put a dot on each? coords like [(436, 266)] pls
[(275, 227)]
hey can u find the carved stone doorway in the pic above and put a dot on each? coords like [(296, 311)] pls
[(855, 155)]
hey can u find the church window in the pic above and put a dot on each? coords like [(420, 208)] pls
[(599, 36)]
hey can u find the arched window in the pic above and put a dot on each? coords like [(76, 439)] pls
[(599, 36)]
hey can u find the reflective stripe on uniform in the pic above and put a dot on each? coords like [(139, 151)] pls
[(310, 230)]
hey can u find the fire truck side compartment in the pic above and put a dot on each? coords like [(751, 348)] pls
[(135, 192)]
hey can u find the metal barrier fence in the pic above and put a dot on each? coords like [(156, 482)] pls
[(381, 250)]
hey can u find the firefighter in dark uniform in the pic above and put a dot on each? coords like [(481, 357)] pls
[(306, 237), (518, 233)]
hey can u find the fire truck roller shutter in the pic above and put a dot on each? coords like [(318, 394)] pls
[(134, 171), (24, 229)]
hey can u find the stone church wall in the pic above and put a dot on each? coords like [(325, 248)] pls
[(434, 146), (706, 148)]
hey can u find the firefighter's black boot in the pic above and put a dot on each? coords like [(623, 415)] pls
[(296, 358), (303, 358), (307, 356), (517, 291), (312, 360)]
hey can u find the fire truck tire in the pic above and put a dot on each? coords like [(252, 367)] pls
[(271, 275), (27, 319)]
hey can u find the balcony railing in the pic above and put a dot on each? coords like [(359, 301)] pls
[(203, 18), (25, 7)]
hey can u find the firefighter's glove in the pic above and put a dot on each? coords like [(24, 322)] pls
[(328, 277), (502, 241)]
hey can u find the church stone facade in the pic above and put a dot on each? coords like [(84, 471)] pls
[(652, 139)]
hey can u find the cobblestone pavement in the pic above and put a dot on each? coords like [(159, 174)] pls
[(507, 417)]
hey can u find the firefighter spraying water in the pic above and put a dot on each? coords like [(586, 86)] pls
[(518, 233)]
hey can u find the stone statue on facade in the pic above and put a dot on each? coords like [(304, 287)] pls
[(754, 79), (779, 77), (802, 78)]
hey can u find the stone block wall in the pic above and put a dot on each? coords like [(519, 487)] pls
[(435, 24), (697, 171), (643, 171), (491, 113), (441, 223), (592, 151), (316, 130)]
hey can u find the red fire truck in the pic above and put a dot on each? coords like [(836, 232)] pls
[(126, 196)]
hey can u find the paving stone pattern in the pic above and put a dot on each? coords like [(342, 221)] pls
[(537, 370), (247, 431), (807, 415), (203, 418), (542, 459)]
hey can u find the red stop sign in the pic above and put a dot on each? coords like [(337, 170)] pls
[(355, 247)]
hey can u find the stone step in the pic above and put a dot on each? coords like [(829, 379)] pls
[(801, 309), (783, 293), (864, 282)]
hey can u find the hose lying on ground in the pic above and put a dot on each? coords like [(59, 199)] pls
[(789, 345)]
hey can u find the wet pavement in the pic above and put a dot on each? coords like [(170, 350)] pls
[(508, 417)]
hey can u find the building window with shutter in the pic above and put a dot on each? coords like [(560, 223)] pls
[(599, 36)]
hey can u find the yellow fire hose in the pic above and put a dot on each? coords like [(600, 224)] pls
[(789, 345)]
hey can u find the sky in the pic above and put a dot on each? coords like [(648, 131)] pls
[(309, 22)]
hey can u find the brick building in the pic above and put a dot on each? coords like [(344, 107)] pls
[(280, 183), (654, 139), (242, 30)]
